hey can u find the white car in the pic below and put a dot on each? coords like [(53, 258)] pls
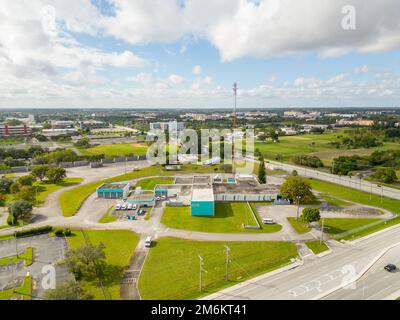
[(134, 206), (130, 206), (268, 221), (124, 206), (118, 206), (149, 242), (163, 197)]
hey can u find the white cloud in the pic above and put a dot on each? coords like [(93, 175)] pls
[(175, 79), (361, 69), (197, 70)]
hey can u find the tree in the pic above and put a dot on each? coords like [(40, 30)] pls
[(2, 200), (21, 209), (83, 143), (56, 175), (15, 187), (310, 215), (295, 173), (26, 180), (297, 188), (26, 193), (261, 172), (69, 290), (39, 172), (386, 175), (5, 185), (87, 262)]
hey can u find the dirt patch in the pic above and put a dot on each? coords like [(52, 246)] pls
[(138, 145), (354, 211)]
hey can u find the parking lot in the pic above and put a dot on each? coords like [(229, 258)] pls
[(47, 250)]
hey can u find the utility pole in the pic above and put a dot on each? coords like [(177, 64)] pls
[(235, 88), (201, 273), (322, 231), (370, 193), (298, 206), (227, 263)]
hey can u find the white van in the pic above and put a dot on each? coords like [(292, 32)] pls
[(268, 221), (148, 242)]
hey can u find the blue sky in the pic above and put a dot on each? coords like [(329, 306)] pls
[(187, 54)]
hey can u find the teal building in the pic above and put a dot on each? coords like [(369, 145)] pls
[(202, 203)]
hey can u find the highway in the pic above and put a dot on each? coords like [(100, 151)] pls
[(353, 182), (318, 278)]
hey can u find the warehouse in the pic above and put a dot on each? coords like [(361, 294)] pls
[(114, 190), (202, 203)]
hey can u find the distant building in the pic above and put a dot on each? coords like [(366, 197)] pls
[(358, 122), (171, 126), (289, 131), (57, 124), (93, 124), (114, 190), (19, 130), (30, 120)]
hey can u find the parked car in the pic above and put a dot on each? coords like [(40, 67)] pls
[(149, 242), (390, 267), (158, 198), (163, 197), (134, 206), (124, 206), (131, 217), (141, 213), (268, 221), (118, 206)]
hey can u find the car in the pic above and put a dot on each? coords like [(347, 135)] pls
[(118, 206), (158, 198), (141, 213), (163, 197), (149, 242), (390, 267), (268, 221), (124, 206), (131, 217), (130, 206), (134, 206)]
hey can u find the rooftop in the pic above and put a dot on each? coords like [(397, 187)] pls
[(114, 185), (245, 187), (203, 194)]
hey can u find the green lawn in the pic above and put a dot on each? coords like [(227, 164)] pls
[(316, 246), (229, 218), (345, 228), (25, 290), (107, 217), (27, 257), (299, 226), (116, 150), (332, 201), (44, 188), (150, 183), (120, 245), (177, 277), (355, 195)]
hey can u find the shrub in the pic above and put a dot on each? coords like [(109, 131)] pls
[(11, 221), (67, 232), (34, 231), (310, 215), (59, 232)]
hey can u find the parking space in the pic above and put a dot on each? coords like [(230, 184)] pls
[(46, 251)]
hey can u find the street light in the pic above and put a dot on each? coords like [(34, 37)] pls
[(298, 206), (379, 186)]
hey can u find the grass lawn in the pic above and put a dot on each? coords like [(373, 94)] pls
[(316, 246), (344, 228), (150, 183), (177, 277), (332, 201), (355, 195), (148, 213), (116, 150), (107, 217), (44, 188), (229, 218), (119, 247), (27, 257), (25, 290), (299, 226)]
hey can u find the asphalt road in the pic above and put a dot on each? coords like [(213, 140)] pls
[(376, 284), (353, 182), (319, 277)]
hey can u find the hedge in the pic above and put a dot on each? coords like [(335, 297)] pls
[(33, 231)]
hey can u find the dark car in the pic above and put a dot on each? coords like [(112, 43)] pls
[(390, 267)]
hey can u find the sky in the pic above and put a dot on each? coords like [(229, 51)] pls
[(188, 53)]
